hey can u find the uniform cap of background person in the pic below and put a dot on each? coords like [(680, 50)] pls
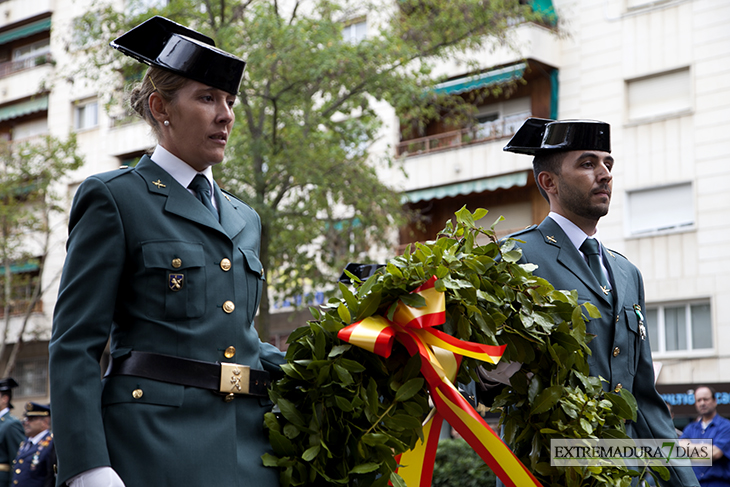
[(166, 44), (540, 136), (35, 410), (7, 385)]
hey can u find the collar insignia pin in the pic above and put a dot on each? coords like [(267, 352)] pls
[(605, 290), (159, 184), (551, 238)]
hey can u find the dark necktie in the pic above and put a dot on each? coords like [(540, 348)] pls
[(201, 187), (590, 250)]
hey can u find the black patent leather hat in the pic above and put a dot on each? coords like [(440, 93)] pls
[(166, 44), (540, 136)]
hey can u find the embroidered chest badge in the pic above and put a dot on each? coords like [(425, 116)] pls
[(642, 328), (175, 282)]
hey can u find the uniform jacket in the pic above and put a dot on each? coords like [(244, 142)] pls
[(11, 435), (132, 232), (621, 352), (35, 467)]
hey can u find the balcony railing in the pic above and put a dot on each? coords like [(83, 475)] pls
[(483, 132), (10, 67)]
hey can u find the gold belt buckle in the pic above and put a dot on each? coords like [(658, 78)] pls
[(235, 378)]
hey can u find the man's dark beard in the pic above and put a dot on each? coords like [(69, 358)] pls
[(579, 203)]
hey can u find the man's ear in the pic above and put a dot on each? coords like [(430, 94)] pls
[(548, 182), (158, 107)]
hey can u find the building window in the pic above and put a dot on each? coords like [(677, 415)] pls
[(32, 376), (663, 95), (30, 129), (31, 51), (86, 115), (24, 279), (660, 210), (355, 32), (679, 327)]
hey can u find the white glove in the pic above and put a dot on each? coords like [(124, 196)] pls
[(97, 477), (503, 372)]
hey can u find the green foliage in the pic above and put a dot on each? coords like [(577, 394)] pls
[(346, 412), (458, 465), (308, 111)]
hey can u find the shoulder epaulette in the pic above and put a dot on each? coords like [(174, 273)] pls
[(520, 232)]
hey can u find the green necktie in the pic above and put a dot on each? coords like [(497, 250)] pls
[(590, 249), (201, 187)]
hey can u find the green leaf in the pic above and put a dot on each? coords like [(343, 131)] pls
[(311, 453), (343, 404), (409, 389), (621, 407), (282, 445), (413, 300), (546, 399), (339, 350), (270, 460), (397, 480), (365, 468), (592, 310), (344, 313), (291, 413), (631, 402)]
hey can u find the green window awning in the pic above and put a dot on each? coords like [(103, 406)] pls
[(37, 104), (20, 268), (502, 181), (482, 80), (25, 30)]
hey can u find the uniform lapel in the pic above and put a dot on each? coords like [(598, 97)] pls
[(231, 219), (179, 200), (569, 257)]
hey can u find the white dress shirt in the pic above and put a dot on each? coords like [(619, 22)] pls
[(577, 237), (181, 171)]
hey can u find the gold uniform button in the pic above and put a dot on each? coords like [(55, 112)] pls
[(17, 470), (230, 352), (226, 265), (137, 393), (617, 318), (618, 388), (228, 307), (616, 351), (176, 263)]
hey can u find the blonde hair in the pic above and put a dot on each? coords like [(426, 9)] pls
[(164, 82)]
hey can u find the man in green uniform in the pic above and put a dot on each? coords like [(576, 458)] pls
[(572, 166), (11, 431)]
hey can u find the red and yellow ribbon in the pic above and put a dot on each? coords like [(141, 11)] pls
[(440, 358)]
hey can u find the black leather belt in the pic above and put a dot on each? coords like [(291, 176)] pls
[(224, 378)]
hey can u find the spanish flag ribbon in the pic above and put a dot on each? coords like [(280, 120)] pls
[(440, 355)]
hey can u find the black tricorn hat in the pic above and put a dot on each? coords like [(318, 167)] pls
[(166, 44), (540, 136), (361, 271), (7, 384), (35, 410)]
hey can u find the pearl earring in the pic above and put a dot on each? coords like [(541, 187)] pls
[(166, 123)]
